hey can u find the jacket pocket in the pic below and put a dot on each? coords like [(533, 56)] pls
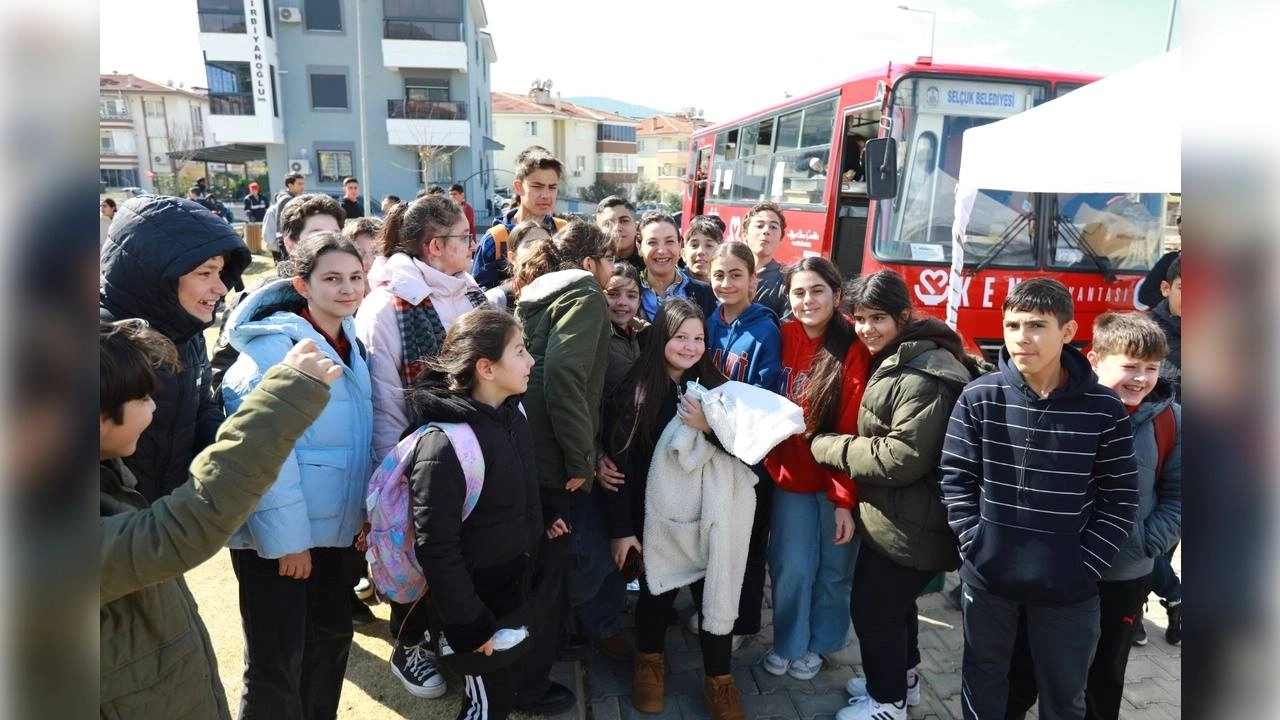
[(323, 478), (1031, 566)]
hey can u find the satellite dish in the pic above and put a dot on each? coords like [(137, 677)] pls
[(548, 84)]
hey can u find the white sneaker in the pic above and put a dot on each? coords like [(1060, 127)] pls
[(364, 589), (857, 688), (633, 586), (806, 668), (775, 664), (864, 708)]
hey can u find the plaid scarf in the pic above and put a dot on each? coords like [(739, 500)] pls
[(422, 333)]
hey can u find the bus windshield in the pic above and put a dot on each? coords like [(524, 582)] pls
[(932, 115)]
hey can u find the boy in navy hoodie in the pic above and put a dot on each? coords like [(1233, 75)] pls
[(1040, 483)]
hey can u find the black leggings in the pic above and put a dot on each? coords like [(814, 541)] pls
[(652, 612)]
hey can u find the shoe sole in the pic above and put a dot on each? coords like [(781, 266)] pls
[(803, 675), (427, 693), (775, 672), (911, 702)]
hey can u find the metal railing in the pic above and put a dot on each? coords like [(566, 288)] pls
[(427, 109), (110, 114)]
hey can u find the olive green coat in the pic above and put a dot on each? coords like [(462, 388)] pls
[(894, 457), (156, 657)]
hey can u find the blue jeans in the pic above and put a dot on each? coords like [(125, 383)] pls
[(812, 576), (1164, 581), (596, 587)]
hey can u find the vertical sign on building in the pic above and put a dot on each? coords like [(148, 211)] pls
[(258, 66)]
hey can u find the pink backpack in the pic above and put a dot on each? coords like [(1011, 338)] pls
[(393, 565)]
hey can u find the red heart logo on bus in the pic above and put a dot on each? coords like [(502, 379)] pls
[(931, 289)]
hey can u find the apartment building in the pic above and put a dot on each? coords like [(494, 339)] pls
[(299, 78), (592, 144), (140, 122), (662, 148)]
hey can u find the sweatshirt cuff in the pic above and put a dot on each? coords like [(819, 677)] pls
[(467, 637)]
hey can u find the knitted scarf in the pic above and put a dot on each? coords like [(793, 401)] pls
[(422, 333)]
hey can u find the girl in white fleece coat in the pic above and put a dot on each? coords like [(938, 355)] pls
[(674, 356)]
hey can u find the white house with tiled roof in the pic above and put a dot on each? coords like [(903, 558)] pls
[(662, 149), (592, 144), (139, 123)]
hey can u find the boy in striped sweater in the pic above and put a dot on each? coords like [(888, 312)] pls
[(1040, 483)]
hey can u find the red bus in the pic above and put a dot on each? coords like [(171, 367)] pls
[(806, 156)]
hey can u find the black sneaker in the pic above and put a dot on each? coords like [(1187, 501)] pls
[(557, 699), (1173, 634), (1140, 634), (415, 666)]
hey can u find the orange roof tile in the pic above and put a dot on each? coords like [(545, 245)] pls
[(511, 103), (133, 83)]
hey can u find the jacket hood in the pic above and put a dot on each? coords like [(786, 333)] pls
[(1160, 397), (931, 346), (426, 406), (1165, 319), (413, 280), (1080, 376), (272, 310), (548, 286), (754, 313), (152, 242)]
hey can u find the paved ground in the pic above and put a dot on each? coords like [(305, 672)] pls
[(1153, 683)]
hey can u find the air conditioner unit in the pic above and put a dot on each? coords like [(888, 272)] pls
[(289, 14), (577, 173), (300, 166), (158, 159)]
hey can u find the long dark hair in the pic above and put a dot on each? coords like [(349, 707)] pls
[(479, 334), (823, 389), (887, 292), (410, 226), (638, 410)]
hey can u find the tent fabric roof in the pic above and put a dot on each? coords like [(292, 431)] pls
[(233, 153)]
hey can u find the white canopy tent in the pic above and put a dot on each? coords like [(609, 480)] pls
[(1134, 145)]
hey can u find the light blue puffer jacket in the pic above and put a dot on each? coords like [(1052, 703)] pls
[(318, 498)]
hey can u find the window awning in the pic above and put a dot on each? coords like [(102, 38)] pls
[(491, 144), (233, 153)]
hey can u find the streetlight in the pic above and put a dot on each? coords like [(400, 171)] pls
[(933, 24)]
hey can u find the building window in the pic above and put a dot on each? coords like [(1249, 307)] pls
[(275, 109), (333, 165), (105, 145), (119, 177), (154, 108), (197, 120), (159, 146), (580, 164), (531, 128), (230, 88), (615, 163), (221, 16), (266, 15), (112, 108), (422, 20), (615, 133), (323, 14), (426, 90), (329, 92), (439, 168)]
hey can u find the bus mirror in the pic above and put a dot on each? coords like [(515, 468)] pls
[(881, 165)]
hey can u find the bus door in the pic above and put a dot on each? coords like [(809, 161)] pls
[(699, 187), (850, 231)]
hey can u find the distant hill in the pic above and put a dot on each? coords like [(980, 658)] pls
[(617, 106)]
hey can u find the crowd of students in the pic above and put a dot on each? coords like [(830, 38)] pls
[(579, 356)]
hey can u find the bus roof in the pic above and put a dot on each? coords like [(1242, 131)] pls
[(893, 71)]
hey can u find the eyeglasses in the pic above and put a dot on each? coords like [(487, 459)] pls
[(454, 237)]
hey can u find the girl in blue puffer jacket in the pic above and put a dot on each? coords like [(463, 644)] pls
[(295, 583)]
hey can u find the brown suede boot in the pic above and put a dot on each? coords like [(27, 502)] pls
[(648, 690), (724, 702)]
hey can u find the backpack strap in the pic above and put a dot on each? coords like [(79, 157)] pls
[(467, 447), (499, 233), (1166, 427)]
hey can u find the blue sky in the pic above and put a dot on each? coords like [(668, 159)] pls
[(713, 54)]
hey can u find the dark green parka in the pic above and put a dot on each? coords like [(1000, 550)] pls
[(894, 457)]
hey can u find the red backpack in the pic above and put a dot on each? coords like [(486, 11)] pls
[(1166, 427)]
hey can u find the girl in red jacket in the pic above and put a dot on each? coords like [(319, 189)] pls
[(824, 370)]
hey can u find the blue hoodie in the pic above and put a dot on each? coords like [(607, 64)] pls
[(749, 349), (1040, 492), (318, 498)]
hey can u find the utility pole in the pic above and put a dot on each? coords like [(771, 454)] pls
[(364, 133)]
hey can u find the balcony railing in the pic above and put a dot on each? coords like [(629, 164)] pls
[(411, 29), (231, 104), (427, 109), (112, 114)]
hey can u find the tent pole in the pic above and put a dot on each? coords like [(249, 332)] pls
[(1168, 38)]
